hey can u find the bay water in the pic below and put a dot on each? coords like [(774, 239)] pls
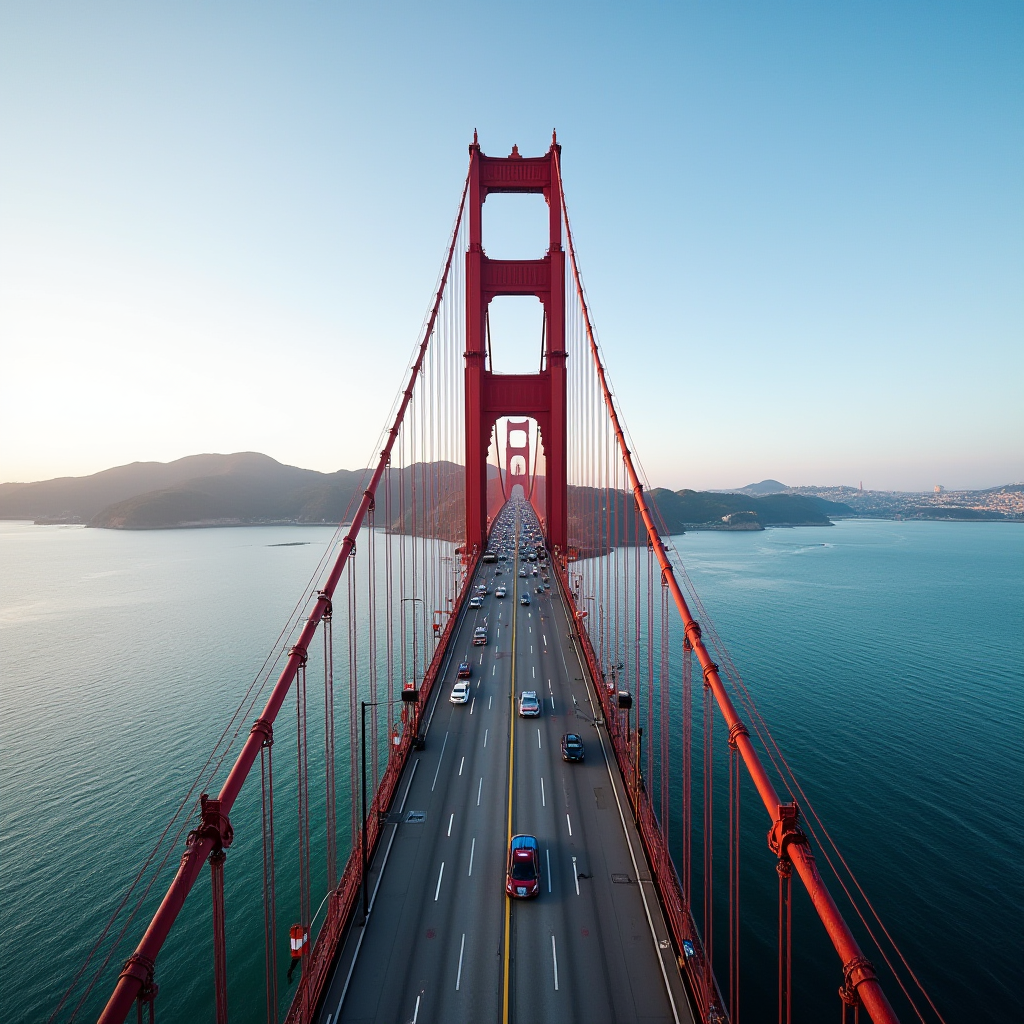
[(888, 659)]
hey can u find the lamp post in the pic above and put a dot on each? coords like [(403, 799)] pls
[(362, 736), (412, 599), (447, 578)]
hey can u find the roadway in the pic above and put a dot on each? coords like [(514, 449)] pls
[(443, 942)]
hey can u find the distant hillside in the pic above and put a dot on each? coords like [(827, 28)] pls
[(245, 488), (694, 510), (248, 488), (764, 487), (682, 509)]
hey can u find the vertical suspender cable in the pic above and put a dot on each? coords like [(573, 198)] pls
[(785, 872), (269, 896), (302, 751), (687, 775), (734, 882), (331, 808), (709, 852)]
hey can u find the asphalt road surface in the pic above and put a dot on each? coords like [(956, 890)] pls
[(442, 942)]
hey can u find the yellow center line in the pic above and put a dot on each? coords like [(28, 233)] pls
[(511, 764)]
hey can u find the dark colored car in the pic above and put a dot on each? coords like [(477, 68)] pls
[(522, 879), (464, 670), (572, 747)]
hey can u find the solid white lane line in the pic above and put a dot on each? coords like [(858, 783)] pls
[(569, 823), (479, 788), (494, 669), (478, 683), (439, 760), (450, 820), (461, 763), (547, 854), (545, 639), (554, 961), (486, 731), (576, 876), (552, 703), (531, 629), (489, 699), (416, 1012), (534, 671), (538, 737), (481, 657), (472, 704), (543, 801), (462, 949), (574, 699), (472, 850), (440, 875)]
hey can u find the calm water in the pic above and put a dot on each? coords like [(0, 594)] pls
[(887, 658)]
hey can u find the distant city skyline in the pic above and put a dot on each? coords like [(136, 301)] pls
[(800, 227)]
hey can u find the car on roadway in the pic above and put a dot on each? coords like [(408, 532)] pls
[(460, 693), (498, 572), (482, 589), (525, 599), (529, 705), (500, 592), (572, 747), (522, 877), (540, 591), (476, 602), (464, 670), (522, 574), (480, 637)]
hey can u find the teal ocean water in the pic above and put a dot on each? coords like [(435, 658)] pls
[(888, 659)]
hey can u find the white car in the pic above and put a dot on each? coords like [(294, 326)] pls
[(529, 706), (460, 693), (476, 602), (500, 592)]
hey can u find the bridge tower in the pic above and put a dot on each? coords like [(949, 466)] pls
[(541, 396), (514, 456)]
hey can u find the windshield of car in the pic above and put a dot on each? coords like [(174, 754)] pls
[(522, 870)]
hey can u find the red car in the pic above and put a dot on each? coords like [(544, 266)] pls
[(464, 670), (522, 879)]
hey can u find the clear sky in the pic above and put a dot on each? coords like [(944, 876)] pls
[(801, 224)]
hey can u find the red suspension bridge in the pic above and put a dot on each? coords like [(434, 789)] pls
[(506, 534)]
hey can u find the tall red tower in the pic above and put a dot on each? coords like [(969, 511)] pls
[(489, 395), (514, 454)]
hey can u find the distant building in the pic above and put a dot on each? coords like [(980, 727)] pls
[(939, 488)]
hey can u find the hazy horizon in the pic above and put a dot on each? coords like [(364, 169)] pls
[(799, 226), (654, 483)]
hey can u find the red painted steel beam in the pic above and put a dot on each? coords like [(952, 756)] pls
[(857, 972), (135, 974)]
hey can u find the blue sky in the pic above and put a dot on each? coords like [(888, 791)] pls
[(800, 225)]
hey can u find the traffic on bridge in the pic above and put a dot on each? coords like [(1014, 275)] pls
[(443, 941)]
